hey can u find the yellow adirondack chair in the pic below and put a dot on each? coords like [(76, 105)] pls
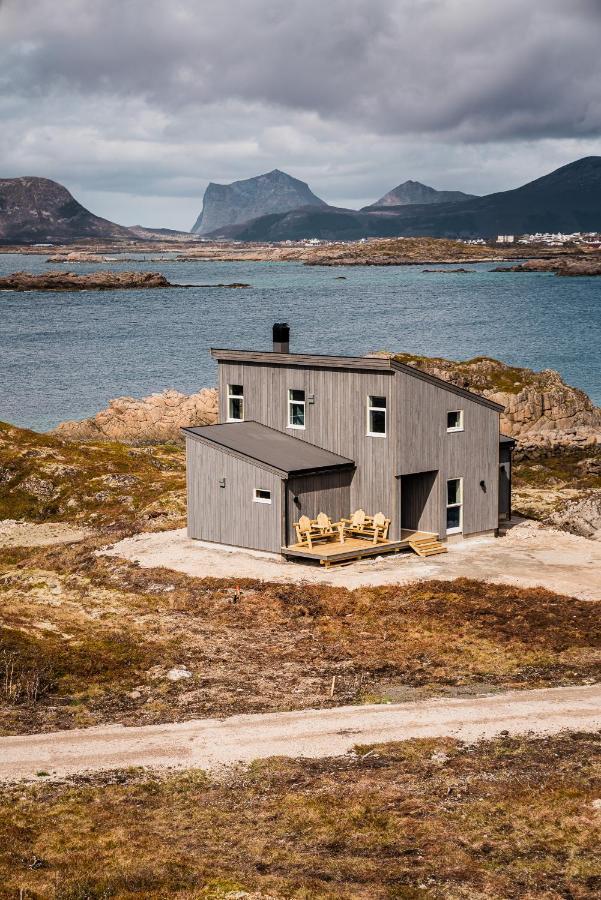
[(308, 531)]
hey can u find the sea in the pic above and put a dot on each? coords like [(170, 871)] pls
[(65, 355)]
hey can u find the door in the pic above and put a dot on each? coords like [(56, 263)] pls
[(419, 508)]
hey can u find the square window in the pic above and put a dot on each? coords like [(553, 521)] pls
[(376, 416), (455, 420), (453, 517), (262, 496)]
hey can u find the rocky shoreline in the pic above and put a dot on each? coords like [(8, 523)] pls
[(94, 281), (568, 267)]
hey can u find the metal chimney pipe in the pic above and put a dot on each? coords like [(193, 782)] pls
[(281, 337)]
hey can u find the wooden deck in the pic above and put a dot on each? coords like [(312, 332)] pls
[(331, 553)]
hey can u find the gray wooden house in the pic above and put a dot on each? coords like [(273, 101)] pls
[(302, 433)]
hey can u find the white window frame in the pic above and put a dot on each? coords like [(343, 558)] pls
[(231, 397), (302, 403), (370, 409), (459, 528), (457, 427), (257, 499)]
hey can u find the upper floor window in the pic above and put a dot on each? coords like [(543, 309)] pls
[(455, 420), (235, 403), (376, 416), (296, 409)]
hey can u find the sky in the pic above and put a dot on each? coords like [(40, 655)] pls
[(135, 105)]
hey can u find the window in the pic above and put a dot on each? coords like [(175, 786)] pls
[(376, 416), (235, 403), (455, 420), (261, 496), (454, 505), (296, 409)]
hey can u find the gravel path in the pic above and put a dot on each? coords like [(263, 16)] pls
[(212, 743), (530, 555)]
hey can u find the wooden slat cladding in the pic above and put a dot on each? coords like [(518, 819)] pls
[(417, 439), (336, 420), (328, 492), (472, 454), (229, 515)]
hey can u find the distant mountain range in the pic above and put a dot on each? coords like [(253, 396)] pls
[(568, 199), (277, 207), (413, 193), (240, 201), (38, 210)]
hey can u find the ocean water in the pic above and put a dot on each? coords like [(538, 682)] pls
[(64, 356)]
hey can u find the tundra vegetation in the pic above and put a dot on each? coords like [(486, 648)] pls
[(88, 639), (511, 817)]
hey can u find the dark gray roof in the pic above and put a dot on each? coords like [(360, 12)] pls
[(505, 439), (355, 363), (276, 449)]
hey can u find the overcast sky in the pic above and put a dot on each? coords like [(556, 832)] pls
[(135, 105)]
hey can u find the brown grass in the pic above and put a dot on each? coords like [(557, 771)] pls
[(105, 485), (277, 646), (509, 818)]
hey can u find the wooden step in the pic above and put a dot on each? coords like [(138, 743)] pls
[(429, 546)]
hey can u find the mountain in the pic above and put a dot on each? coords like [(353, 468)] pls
[(38, 210), (567, 200), (240, 201), (411, 193)]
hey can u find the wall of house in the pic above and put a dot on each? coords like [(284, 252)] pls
[(327, 492), (417, 438), (472, 454), (336, 421), (229, 515)]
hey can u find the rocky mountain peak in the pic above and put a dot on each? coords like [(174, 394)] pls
[(41, 210), (411, 193), (241, 201)]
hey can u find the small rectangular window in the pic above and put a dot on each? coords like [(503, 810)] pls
[(262, 496), (376, 416), (235, 403), (296, 409), (454, 505), (455, 420)]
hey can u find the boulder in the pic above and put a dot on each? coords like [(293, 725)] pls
[(154, 419)]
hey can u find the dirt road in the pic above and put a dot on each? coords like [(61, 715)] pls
[(211, 743)]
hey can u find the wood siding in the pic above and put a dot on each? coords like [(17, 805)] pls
[(328, 492), (417, 440), (229, 515), (472, 454), (337, 421)]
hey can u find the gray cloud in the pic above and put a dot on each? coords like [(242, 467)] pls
[(142, 98)]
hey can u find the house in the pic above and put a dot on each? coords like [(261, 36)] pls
[(301, 433)]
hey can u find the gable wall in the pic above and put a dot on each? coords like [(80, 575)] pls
[(472, 454)]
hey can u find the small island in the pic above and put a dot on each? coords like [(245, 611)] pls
[(96, 281), (561, 266), (93, 281)]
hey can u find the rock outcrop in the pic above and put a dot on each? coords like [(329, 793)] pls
[(541, 410), (588, 265), (72, 281), (241, 201), (154, 419), (41, 210)]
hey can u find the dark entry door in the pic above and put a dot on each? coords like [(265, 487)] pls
[(419, 508)]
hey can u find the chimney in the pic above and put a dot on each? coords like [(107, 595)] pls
[(281, 337)]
